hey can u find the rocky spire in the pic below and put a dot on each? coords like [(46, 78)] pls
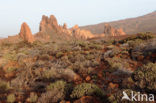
[(49, 23), (64, 26), (26, 34)]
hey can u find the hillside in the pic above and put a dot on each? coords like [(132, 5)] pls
[(80, 71), (61, 65), (130, 26)]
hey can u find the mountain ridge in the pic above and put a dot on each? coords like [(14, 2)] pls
[(130, 25)]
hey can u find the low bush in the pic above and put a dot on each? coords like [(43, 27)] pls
[(33, 97), (4, 86), (59, 54), (145, 77), (141, 36), (87, 89), (117, 97), (11, 98), (56, 92)]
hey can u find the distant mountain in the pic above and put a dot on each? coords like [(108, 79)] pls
[(130, 26)]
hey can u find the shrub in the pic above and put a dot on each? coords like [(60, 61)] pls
[(82, 44), (58, 85), (10, 55), (33, 97), (95, 46), (114, 64), (145, 36), (11, 69), (117, 97), (54, 73), (145, 77), (134, 43), (56, 92), (11, 98), (95, 63), (44, 57), (141, 36), (87, 89), (6, 44), (59, 54), (111, 53), (4, 86), (90, 57)]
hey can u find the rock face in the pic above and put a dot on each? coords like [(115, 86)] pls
[(81, 34), (51, 30), (110, 31), (26, 34), (49, 24), (50, 27), (64, 26)]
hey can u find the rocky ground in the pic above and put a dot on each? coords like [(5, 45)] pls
[(77, 71)]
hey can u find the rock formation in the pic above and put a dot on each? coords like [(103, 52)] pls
[(64, 26), (26, 34), (110, 31), (81, 34), (49, 24)]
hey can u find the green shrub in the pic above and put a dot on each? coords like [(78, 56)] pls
[(59, 54), (82, 44), (114, 64), (11, 69), (95, 63), (117, 97), (58, 84), (141, 36), (11, 98), (87, 89), (56, 92), (145, 77), (134, 43), (145, 36), (44, 57), (47, 74), (33, 97), (4, 86), (95, 46), (90, 57)]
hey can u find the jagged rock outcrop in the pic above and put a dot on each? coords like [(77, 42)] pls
[(49, 23), (26, 34), (64, 26), (81, 34), (49, 26), (110, 31)]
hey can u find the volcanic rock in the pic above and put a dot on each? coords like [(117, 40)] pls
[(26, 34), (81, 34), (49, 23), (110, 31), (64, 26), (49, 28)]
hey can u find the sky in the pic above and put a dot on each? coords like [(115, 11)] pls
[(82, 12)]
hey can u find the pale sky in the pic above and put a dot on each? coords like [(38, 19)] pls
[(81, 12)]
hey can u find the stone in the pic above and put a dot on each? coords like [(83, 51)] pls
[(64, 26), (81, 34), (110, 31), (88, 78), (49, 23), (26, 34)]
